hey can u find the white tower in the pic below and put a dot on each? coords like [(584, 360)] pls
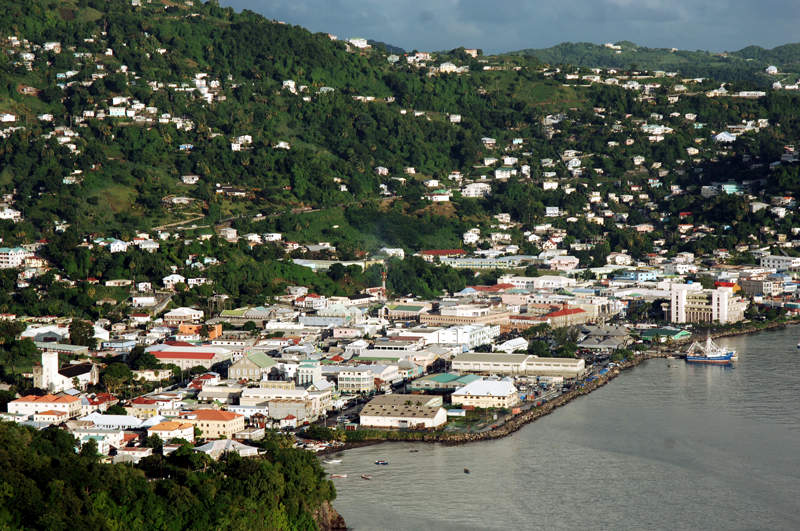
[(49, 370)]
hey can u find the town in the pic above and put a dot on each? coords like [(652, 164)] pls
[(569, 255), (230, 247), (162, 378)]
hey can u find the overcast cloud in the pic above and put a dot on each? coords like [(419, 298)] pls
[(505, 25)]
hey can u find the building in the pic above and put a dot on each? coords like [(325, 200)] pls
[(552, 282), (216, 449), (356, 380), (404, 412), (760, 286), (690, 303), (464, 314), (251, 366), (518, 364), (31, 404), (186, 357), (169, 430), (13, 257), (487, 393), (215, 424), (182, 315), (49, 377), (778, 263), (442, 382)]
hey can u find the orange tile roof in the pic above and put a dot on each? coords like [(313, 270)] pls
[(64, 399), (213, 415), (171, 425), (52, 412)]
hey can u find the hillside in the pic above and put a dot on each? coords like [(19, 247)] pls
[(202, 92), (747, 64)]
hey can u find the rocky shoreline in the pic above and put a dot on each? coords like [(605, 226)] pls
[(515, 423)]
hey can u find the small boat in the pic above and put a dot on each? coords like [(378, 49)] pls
[(366, 476), (381, 462), (337, 476), (413, 451), (466, 470), (332, 461)]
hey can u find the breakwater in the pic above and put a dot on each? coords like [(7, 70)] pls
[(518, 421)]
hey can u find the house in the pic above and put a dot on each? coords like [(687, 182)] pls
[(183, 315), (229, 234), (169, 430), (117, 246), (404, 411), (171, 281), (215, 449), (251, 366), (131, 455), (487, 393), (215, 424)]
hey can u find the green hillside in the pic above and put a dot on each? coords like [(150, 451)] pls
[(204, 76), (747, 64)]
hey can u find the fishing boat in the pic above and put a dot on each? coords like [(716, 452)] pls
[(337, 476), (709, 352), (332, 461), (366, 476), (381, 462)]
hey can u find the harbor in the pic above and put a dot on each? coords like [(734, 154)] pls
[(717, 440)]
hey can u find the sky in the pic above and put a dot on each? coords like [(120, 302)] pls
[(507, 25)]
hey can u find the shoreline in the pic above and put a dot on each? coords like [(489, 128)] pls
[(516, 422)]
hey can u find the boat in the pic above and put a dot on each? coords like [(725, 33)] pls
[(709, 352), (337, 476), (413, 451), (381, 462), (332, 461), (366, 476), (466, 470)]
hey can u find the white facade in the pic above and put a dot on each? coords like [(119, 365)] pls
[(487, 393), (780, 263), (691, 303)]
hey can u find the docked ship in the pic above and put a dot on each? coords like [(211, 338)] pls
[(709, 352)]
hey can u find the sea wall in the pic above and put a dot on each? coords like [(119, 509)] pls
[(518, 421)]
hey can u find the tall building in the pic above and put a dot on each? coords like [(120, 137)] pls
[(690, 303), (780, 263)]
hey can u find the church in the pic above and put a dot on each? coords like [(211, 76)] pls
[(49, 377)]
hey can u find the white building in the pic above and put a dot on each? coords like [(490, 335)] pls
[(170, 281), (487, 393), (690, 303), (13, 257), (780, 263), (404, 411)]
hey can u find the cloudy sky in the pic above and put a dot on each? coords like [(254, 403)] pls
[(504, 25)]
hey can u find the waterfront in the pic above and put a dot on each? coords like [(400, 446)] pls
[(680, 447)]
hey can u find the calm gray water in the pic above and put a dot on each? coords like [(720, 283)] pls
[(660, 447)]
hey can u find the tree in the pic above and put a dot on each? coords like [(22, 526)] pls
[(539, 348), (116, 409), (82, 333), (115, 376)]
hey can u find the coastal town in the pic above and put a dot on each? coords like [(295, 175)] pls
[(610, 252), (220, 381), (233, 251)]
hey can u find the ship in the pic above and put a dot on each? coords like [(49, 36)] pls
[(709, 352)]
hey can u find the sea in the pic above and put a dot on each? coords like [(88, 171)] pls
[(666, 445)]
